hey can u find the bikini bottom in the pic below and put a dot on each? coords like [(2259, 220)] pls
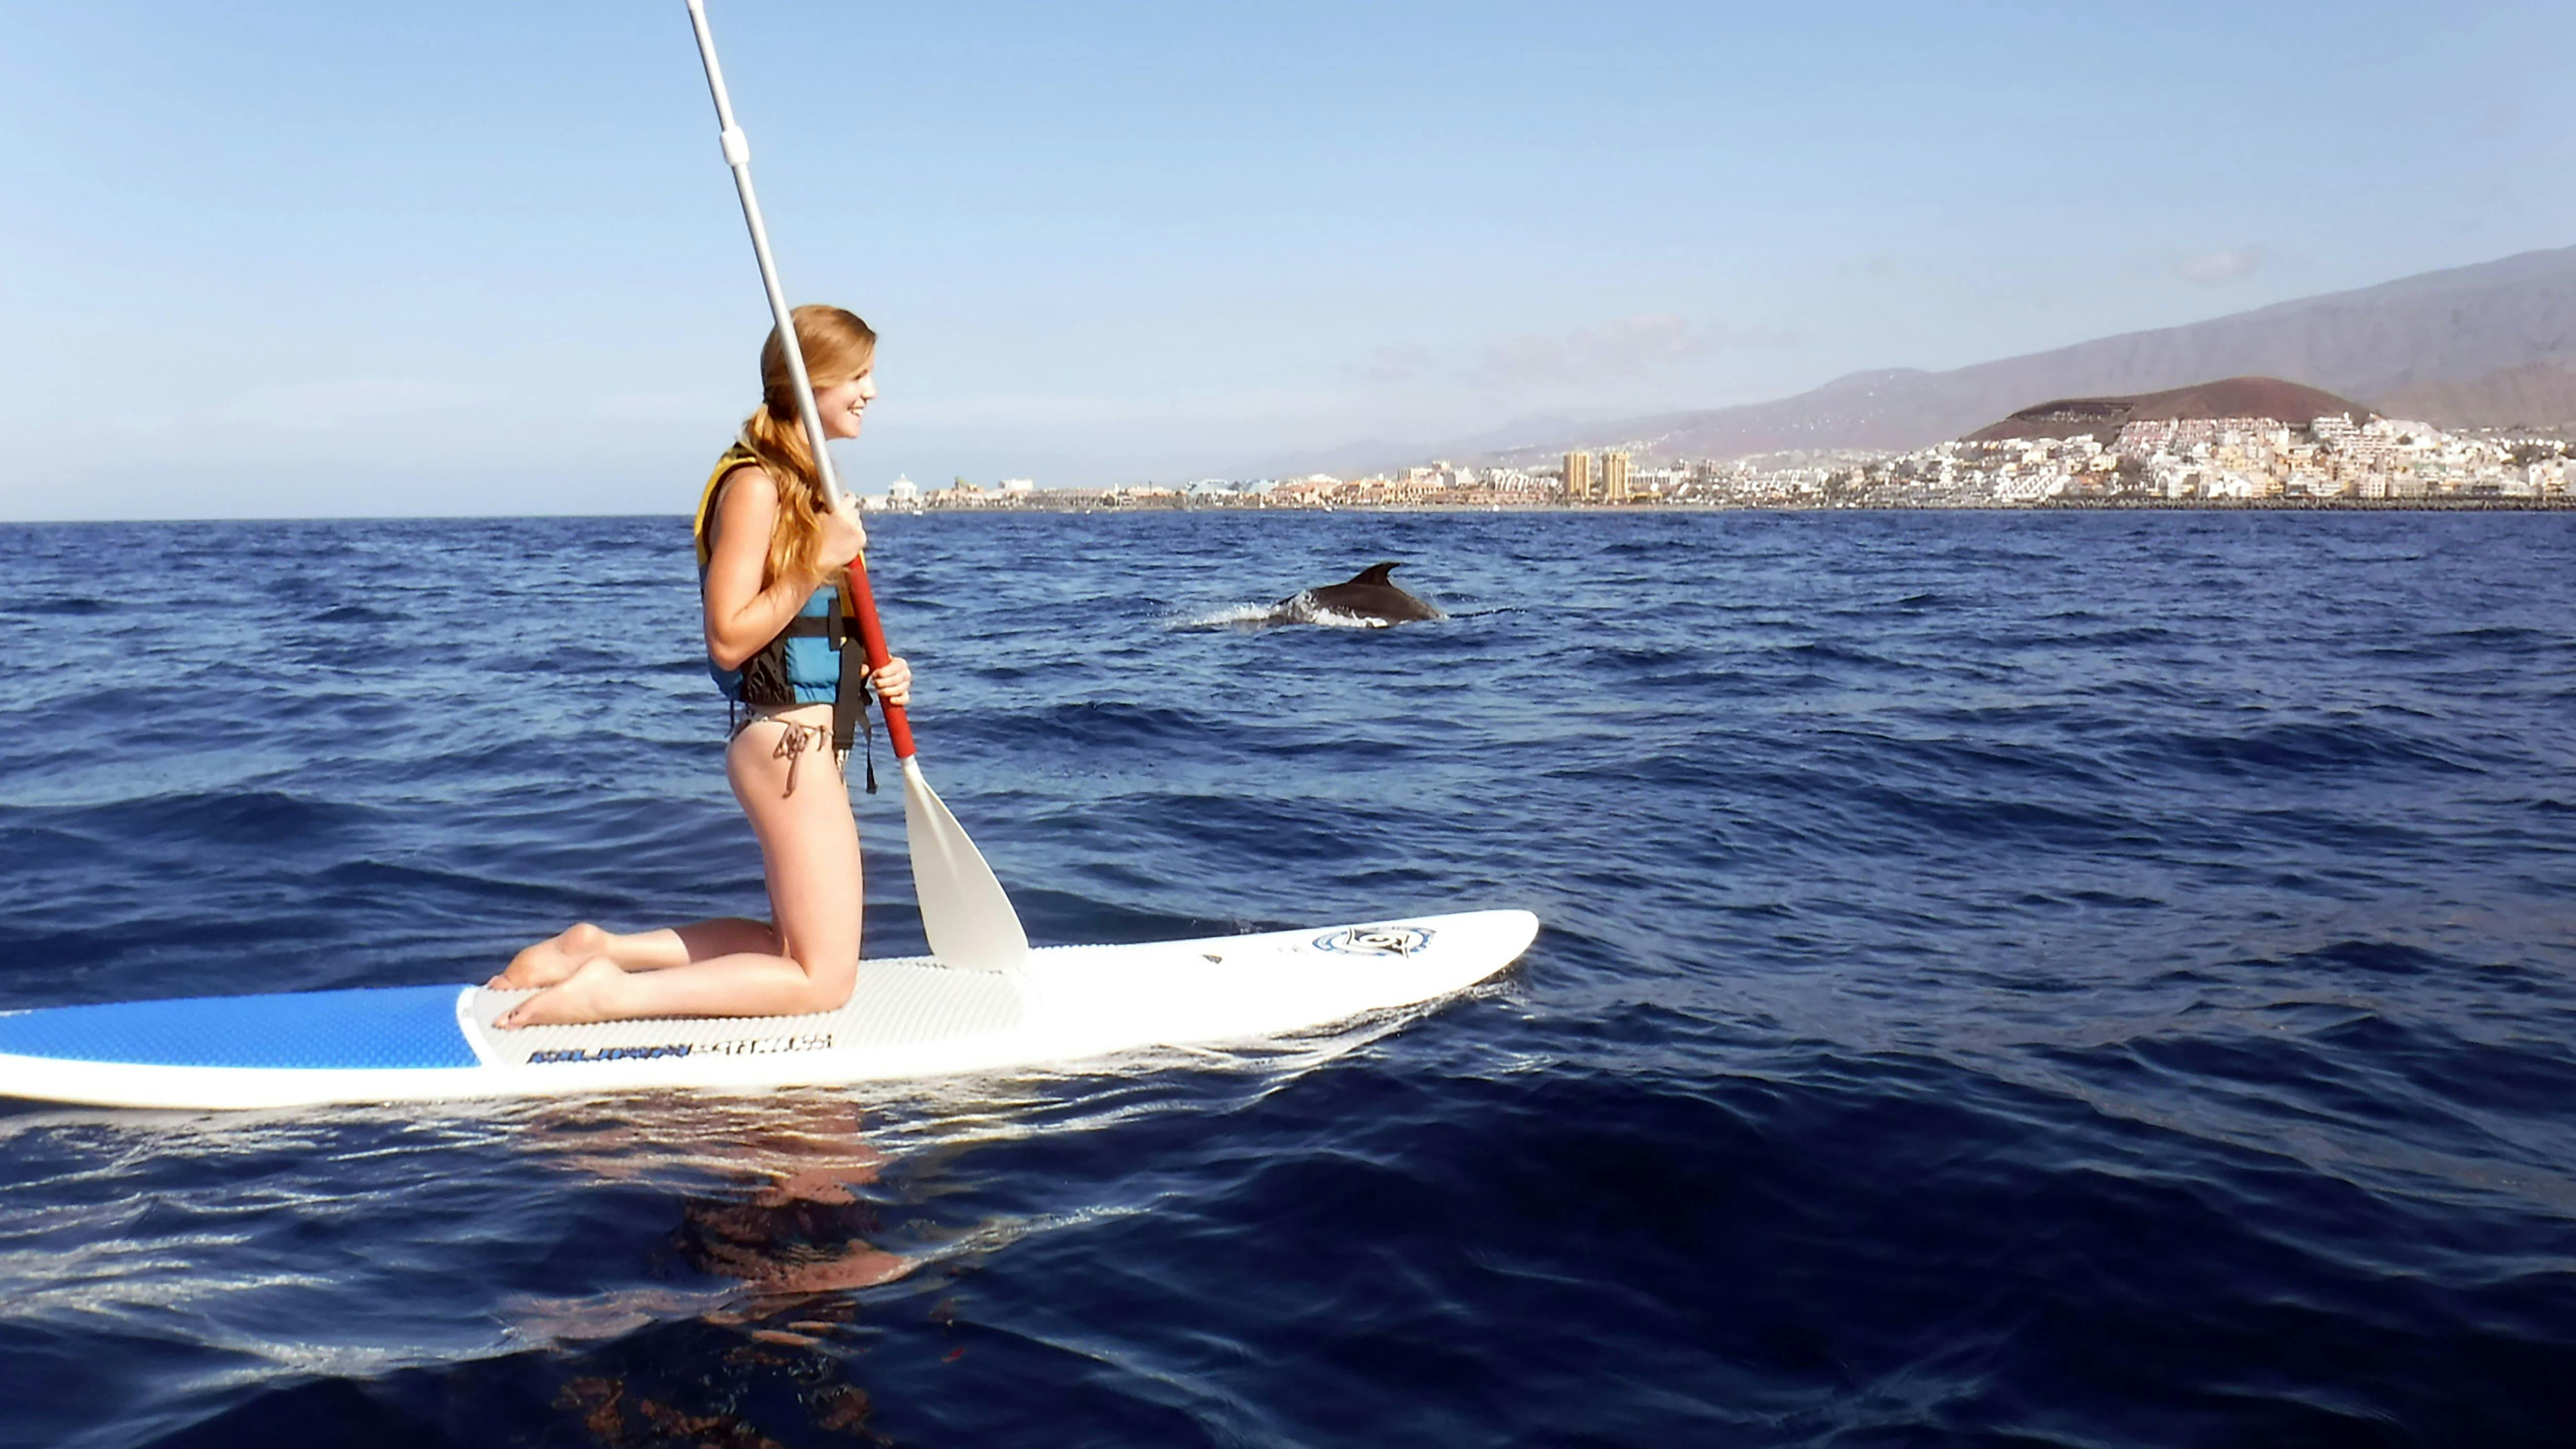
[(793, 741)]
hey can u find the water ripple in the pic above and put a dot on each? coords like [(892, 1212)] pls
[(2070, 980)]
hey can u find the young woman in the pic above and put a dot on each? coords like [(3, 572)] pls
[(770, 547)]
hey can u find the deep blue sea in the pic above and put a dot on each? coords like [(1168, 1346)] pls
[(2069, 979)]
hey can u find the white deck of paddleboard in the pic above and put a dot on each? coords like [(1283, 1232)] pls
[(909, 1019)]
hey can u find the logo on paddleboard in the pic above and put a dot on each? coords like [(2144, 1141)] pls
[(760, 1046), (608, 1054), (1374, 940)]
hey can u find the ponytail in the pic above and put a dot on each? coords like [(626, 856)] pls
[(837, 347)]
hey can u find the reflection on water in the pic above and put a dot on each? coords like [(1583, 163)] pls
[(617, 1415), (794, 1219), (797, 1205), (794, 1230)]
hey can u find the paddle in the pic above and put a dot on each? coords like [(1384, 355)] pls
[(964, 911)]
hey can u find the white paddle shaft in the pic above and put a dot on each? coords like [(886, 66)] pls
[(737, 154)]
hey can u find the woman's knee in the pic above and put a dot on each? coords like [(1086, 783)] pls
[(828, 986)]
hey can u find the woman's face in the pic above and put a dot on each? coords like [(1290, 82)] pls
[(843, 403)]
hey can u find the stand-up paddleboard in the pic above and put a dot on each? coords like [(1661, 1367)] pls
[(908, 1019)]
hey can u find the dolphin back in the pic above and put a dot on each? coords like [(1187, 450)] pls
[(1371, 595)]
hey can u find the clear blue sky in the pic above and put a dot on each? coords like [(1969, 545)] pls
[(265, 258)]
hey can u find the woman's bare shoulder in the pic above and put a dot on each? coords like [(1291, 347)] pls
[(745, 490), (748, 477)]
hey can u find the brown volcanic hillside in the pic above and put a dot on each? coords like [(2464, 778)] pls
[(2235, 397)]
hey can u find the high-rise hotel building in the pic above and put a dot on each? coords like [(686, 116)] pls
[(1614, 477), (1578, 477)]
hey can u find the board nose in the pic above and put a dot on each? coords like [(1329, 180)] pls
[(399, 1027)]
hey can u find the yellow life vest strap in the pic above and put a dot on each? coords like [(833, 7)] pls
[(734, 457)]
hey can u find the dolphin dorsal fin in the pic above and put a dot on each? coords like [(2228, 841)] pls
[(1375, 574)]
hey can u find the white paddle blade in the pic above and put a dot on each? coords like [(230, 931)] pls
[(968, 919)]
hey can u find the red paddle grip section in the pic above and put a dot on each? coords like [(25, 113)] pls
[(872, 640)]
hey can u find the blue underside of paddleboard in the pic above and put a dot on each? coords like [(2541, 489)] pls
[(401, 1026)]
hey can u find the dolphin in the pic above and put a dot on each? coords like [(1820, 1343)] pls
[(1368, 594)]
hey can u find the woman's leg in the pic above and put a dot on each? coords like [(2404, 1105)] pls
[(557, 957), (810, 845)]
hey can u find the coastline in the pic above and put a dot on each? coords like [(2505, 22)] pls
[(2059, 504)]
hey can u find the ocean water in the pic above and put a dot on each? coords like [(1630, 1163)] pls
[(2046, 979)]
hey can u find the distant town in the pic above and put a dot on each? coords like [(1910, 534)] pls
[(2347, 458)]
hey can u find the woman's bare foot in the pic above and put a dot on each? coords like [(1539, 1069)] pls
[(553, 960), (588, 994)]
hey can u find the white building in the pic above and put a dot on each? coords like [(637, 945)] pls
[(2030, 488)]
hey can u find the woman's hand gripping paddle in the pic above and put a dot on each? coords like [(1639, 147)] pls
[(964, 911)]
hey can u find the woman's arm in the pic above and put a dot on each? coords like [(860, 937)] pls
[(741, 615)]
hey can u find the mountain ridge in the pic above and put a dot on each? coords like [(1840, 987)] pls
[(2459, 346)]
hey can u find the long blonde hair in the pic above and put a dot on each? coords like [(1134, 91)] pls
[(837, 347)]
